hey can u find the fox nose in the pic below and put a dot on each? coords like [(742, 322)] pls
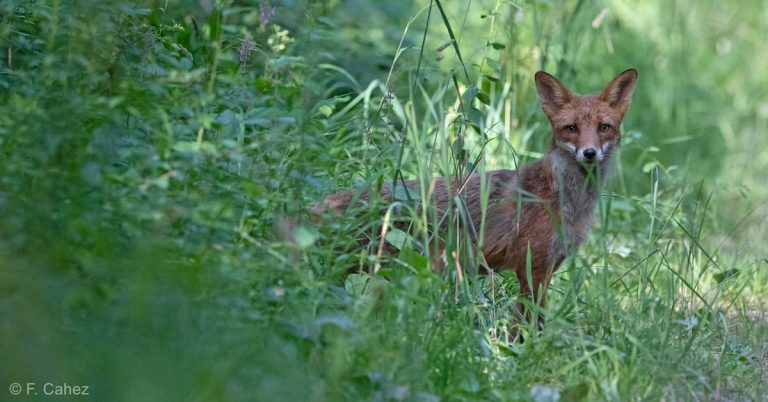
[(590, 154)]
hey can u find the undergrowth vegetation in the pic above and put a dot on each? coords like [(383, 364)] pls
[(158, 161)]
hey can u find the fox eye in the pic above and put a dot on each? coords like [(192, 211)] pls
[(603, 127), (571, 128)]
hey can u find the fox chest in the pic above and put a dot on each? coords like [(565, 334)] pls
[(547, 234), (576, 219), (512, 239)]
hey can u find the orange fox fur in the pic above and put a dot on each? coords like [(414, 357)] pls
[(558, 192)]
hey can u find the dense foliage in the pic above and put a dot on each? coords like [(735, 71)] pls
[(157, 160)]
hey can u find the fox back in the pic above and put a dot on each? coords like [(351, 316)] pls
[(555, 196)]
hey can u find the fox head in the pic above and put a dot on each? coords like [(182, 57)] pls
[(586, 126)]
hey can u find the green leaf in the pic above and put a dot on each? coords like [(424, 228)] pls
[(722, 276), (355, 284), (622, 205), (286, 61), (398, 238), (325, 110), (214, 23), (648, 166), (338, 319), (415, 260), (575, 393), (494, 65), (405, 194), (194, 147), (484, 98), (497, 45), (206, 120), (476, 119), (305, 237), (364, 284), (327, 21), (252, 189), (510, 350), (263, 84), (469, 95)]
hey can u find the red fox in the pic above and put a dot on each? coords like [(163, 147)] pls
[(559, 192)]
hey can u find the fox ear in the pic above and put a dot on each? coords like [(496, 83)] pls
[(619, 91), (553, 93)]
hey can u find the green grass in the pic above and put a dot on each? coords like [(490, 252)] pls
[(157, 162)]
